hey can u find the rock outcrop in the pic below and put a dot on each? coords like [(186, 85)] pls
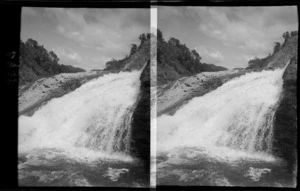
[(140, 133), (281, 55), (287, 51), (33, 96), (135, 61), (173, 95), (285, 123)]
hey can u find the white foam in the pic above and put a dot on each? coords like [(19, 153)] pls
[(115, 173), (92, 121), (233, 121), (256, 173)]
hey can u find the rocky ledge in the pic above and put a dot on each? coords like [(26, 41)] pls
[(33, 96), (172, 96)]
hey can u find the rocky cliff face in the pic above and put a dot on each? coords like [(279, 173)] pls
[(33, 96), (285, 123), (175, 94), (287, 51), (281, 55), (141, 121), (135, 61)]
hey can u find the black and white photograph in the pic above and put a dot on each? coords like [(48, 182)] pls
[(139, 95), (84, 98), (226, 96)]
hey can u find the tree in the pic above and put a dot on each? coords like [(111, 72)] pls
[(142, 38), (174, 41), (54, 56), (196, 54), (286, 35), (159, 35), (32, 42), (133, 49), (148, 36), (276, 47), (294, 33)]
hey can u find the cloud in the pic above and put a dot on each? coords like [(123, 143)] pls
[(105, 33), (98, 27), (96, 61), (243, 58), (168, 12), (233, 31), (249, 27), (68, 55), (210, 55)]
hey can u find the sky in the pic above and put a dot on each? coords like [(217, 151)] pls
[(228, 36), (85, 38)]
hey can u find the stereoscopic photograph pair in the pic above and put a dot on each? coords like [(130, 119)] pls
[(160, 96)]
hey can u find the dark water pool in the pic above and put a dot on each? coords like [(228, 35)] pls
[(59, 170), (203, 170)]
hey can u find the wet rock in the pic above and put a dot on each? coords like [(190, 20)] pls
[(140, 145), (285, 123), (173, 95), (46, 86), (38, 93)]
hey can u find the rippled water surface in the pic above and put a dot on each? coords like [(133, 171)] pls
[(192, 167), (52, 168)]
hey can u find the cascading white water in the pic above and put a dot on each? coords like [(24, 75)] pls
[(231, 122), (92, 121)]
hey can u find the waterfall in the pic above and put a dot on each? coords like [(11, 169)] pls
[(92, 121), (231, 122)]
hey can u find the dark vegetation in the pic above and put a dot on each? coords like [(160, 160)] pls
[(175, 60), (36, 62), (262, 62)]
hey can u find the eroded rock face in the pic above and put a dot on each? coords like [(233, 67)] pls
[(288, 50), (285, 123), (38, 93), (141, 121), (173, 95)]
